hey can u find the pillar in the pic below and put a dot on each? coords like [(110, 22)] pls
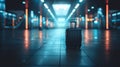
[(86, 17), (26, 13), (107, 14)]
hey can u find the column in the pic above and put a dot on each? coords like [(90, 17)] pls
[(107, 14), (26, 13), (2, 15), (86, 17)]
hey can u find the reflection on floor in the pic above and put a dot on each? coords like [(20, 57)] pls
[(46, 48)]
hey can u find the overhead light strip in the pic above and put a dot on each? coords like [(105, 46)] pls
[(46, 6), (76, 6), (42, 1)]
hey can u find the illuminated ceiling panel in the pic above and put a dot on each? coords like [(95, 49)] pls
[(61, 19), (61, 9)]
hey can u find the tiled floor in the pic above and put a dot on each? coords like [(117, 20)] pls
[(46, 48)]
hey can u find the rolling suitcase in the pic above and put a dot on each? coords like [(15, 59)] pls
[(73, 38)]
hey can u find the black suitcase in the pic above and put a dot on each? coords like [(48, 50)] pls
[(73, 38)]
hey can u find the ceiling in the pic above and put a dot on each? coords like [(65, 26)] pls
[(34, 5)]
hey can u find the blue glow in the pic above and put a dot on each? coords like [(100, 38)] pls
[(2, 6), (9, 14), (61, 24), (23, 2), (5, 13), (61, 19), (61, 9), (1, 11), (95, 34), (83, 18), (43, 20), (88, 10), (100, 11), (77, 5), (51, 13), (32, 14), (114, 14), (96, 22), (46, 6), (95, 37), (49, 10), (42, 1), (71, 14), (80, 1), (35, 19), (14, 15), (92, 7), (73, 10), (2, 0), (118, 13)]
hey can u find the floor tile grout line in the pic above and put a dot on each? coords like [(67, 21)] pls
[(60, 55), (89, 57), (34, 53)]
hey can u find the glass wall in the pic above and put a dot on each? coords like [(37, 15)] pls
[(2, 9), (2, 5)]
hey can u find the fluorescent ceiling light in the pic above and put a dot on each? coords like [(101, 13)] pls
[(88, 10), (77, 5), (23, 2), (61, 19), (49, 10), (73, 11), (80, 1), (46, 6), (51, 13), (92, 7), (42, 1), (61, 9)]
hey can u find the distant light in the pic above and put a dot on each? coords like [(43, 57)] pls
[(70, 14), (114, 14), (23, 2), (60, 24), (95, 21), (34, 20), (46, 6), (99, 9), (9, 14), (95, 37), (61, 9), (77, 5), (5, 13), (32, 14), (1, 11), (38, 11), (42, 1), (51, 13), (92, 7), (83, 18), (49, 10), (14, 15), (20, 18), (88, 10), (118, 13), (80, 1), (73, 10), (2, 0), (61, 19)]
